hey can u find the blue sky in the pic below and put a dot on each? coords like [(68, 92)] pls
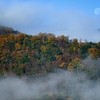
[(73, 18)]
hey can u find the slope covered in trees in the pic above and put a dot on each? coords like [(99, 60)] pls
[(43, 53), (7, 30)]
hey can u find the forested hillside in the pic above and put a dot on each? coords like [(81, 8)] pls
[(7, 30), (41, 58), (24, 54)]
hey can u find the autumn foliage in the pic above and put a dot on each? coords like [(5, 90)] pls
[(42, 53)]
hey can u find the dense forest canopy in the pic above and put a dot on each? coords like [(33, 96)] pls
[(43, 53)]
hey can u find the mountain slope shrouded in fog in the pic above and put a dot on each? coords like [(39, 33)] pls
[(49, 50), (45, 67)]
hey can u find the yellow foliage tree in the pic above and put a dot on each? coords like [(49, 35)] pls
[(43, 48), (63, 64), (17, 46), (50, 37), (74, 64), (94, 52), (11, 37)]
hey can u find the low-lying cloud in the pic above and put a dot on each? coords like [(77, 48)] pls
[(33, 17), (66, 83)]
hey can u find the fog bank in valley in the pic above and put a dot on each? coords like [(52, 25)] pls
[(68, 84)]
